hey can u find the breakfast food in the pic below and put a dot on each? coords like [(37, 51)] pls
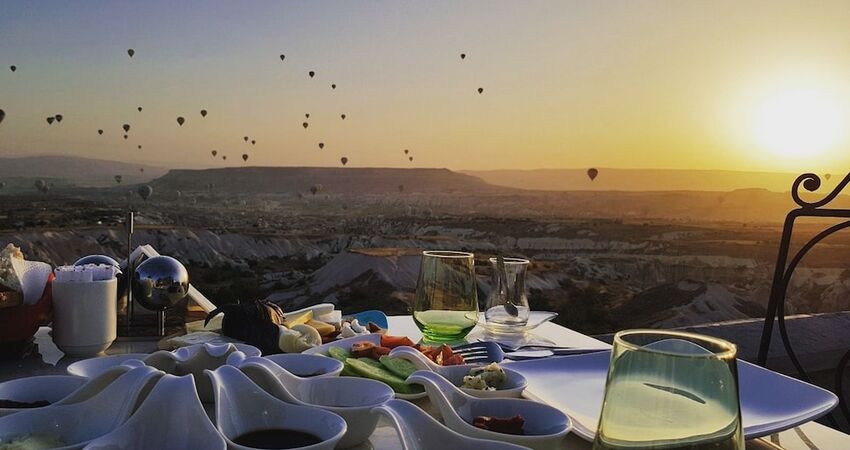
[(508, 425), (11, 288), (20, 405), (487, 378)]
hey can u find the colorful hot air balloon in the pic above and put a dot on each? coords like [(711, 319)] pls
[(126, 127), (131, 52), (50, 120), (214, 153), (342, 116), (344, 160), (480, 90), (311, 73), (282, 57), (13, 68), (592, 173), (145, 192), (203, 113), (305, 125), (180, 120), (2, 115), (244, 157), (321, 145), (118, 179), (139, 108), (100, 132), (58, 117), (463, 56)]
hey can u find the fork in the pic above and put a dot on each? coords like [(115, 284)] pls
[(489, 351)]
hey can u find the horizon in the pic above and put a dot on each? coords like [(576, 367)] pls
[(566, 85)]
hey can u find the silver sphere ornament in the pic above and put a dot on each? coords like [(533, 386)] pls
[(160, 282)]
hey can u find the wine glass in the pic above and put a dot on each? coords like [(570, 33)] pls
[(670, 390), (446, 305)]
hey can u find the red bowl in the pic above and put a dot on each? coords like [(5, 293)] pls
[(19, 323)]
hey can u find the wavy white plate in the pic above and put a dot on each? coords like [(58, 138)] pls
[(770, 402)]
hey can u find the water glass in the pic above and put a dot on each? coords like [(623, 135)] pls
[(508, 296), (446, 305), (670, 390)]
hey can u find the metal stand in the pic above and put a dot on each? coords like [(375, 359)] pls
[(785, 269)]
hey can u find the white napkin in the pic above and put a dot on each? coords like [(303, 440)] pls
[(33, 275)]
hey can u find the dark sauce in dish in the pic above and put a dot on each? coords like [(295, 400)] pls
[(277, 438), (14, 404)]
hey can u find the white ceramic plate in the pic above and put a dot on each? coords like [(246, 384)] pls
[(50, 388), (770, 402), (535, 319), (346, 345)]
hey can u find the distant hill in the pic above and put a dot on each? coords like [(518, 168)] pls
[(71, 170), (638, 180), (257, 180)]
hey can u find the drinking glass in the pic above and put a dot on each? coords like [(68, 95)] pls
[(446, 305), (508, 290), (670, 390)]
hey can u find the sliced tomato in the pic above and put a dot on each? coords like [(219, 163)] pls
[(395, 341), (360, 349)]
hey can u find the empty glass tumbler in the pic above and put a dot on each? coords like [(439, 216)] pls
[(507, 304)]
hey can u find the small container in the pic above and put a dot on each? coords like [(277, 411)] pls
[(508, 289), (84, 316)]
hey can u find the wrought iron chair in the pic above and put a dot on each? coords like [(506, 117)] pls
[(785, 269)]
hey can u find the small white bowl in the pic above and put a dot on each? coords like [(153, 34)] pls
[(50, 388), (92, 367), (307, 366)]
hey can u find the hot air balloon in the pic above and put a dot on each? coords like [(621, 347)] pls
[(131, 52), (203, 113), (139, 108), (333, 86), (125, 136), (592, 173), (311, 73), (118, 179), (40, 185), (307, 115), (2, 115), (180, 120), (342, 116), (827, 176), (406, 151), (58, 117), (224, 157), (13, 68), (145, 192), (410, 158), (100, 132), (463, 56), (245, 138), (480, 90), (401, 188), (344, 160), (282, 57), (140, 146), (253, 142), (305, 125), (244, 157), (214, 153), (126, 127), (50, 120), (321, 145)]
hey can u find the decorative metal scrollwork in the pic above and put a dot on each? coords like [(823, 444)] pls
[(785, 269)]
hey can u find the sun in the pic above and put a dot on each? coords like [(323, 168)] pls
[(800, 123)]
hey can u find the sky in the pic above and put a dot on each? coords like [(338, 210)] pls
[(567, 84)]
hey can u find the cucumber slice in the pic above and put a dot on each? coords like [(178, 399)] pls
[(339, 353), (383, 375), (398, 366)]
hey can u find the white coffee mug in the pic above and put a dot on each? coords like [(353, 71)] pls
[(84, 316)]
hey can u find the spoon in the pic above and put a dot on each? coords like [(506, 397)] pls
[(510, 308), (76, 424)]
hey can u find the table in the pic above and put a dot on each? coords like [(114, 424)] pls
[(50, 360)]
